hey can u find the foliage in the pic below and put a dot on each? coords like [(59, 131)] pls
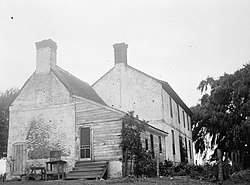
[(131, 142), (224, 114), (145, 164), (131, 131), (206, 171), (167, 168), (6, 99)]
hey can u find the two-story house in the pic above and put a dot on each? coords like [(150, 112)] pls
[(56, 111), (128, 89)]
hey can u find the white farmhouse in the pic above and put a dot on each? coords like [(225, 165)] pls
[(128, 89)]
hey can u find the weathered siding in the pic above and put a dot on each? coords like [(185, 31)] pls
[(146, 135), (105, 125)]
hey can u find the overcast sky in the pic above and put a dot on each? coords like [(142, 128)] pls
[(181, 42)]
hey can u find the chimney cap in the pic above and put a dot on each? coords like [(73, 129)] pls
[(120, 50), (120, 45), (46, 43)]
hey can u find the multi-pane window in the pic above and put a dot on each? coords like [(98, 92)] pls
[(160, 146), (190, 151), (146, 144), (171, 109), (183, 115), (173, 142), (178, 112), (188, 122)]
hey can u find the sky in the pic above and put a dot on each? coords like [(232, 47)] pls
[(181, 42)]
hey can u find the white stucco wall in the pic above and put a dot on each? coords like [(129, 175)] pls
[(172, 123), (126, 89), (43, 117)]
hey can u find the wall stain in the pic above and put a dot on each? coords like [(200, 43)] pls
[(43, 138)]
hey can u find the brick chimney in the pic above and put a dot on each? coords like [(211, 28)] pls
[(45, 55), (120, 50)]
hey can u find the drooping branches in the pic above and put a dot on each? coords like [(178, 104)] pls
[(224, 113)]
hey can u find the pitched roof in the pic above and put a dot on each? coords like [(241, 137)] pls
[(76, 86), (174, 95), (169, 90)]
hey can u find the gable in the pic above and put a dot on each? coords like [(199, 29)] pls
[(42, 90)]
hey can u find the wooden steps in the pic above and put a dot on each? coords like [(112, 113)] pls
[(88, 170)]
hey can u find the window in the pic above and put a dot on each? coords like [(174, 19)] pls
[(188, 122), (190, 149), (183, 114), (178, 111), (186, 146), (152, 145), (173, 142), (170, 103), (146, 144), (160, 146)]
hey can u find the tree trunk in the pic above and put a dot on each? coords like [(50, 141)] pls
[(220, 173)]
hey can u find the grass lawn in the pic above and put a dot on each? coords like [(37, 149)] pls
[(158, 181), (152, 181)]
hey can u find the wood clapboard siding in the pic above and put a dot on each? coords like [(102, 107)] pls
[(146, 135), (106, 126)]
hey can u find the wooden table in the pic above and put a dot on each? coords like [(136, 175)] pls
[(55, 168), (36, 173)]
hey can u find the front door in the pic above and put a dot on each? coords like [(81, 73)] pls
[(19, 158), (85, 144)]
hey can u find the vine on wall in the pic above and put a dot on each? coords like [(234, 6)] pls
[(132, 147)]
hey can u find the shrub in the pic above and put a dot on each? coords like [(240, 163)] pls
[(145, 164), (166, 168)]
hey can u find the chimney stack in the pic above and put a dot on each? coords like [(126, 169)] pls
[(45, 56), (120, 50)]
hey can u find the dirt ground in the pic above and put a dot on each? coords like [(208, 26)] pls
[(150, 181)]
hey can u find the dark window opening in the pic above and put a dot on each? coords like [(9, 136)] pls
[(171, 110), (178, 112), (190, 149), (160, 146), (146, 144), (173, 142), (182, 150), (183, 113), (187, 122), (186, 154), (152, 145)]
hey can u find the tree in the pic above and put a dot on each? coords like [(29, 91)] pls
[(224, 114), (6, 99)]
